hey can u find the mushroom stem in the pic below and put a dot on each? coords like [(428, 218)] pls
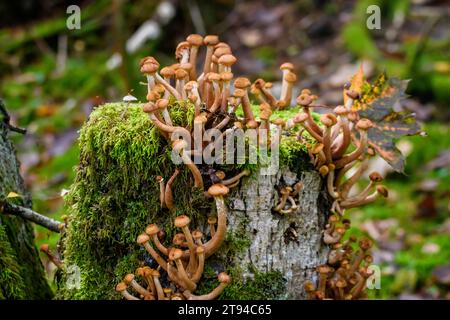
[(224, 281), (180, 146), (129, 279), (52, 257), (345, 141), (200, 251), (363, 125), (232, 180), (152, 230), (168, 195), (345, 188), (161, 191), (122, 288), (167, 86), (143, 240), (158, 287)]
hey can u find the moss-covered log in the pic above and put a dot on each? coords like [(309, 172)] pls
[(21, 271), (115, 196)]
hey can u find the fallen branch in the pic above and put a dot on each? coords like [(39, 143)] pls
[(32, 216)]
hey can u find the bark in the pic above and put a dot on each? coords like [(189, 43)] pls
[(292, 243), (21, 272)]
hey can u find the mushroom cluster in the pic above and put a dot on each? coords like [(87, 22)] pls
[(344, 275), (184, 261), (286, 203)]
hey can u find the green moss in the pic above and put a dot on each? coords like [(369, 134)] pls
[(11, 282)]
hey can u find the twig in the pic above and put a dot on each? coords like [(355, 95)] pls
[(7, 118), (32, 216)]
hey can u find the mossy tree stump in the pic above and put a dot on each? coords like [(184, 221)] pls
[(115, 196), (21, 272)]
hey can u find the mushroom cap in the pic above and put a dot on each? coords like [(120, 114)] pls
[(220, 174), (149, 107), (238, 125), (279, 122), (341, 110), (142, 238), (182, 221), (159, 179), (259, 83), (365, 244), (195, 40), (239, 93), (211, 40), (286, 190), (140, 271), (167, 72), (242, 83), (148, 59), (212, 76), (179, 239), (266, 111), (212, 220), (382, 190), (152, 229), (149, 68), (268, 85), (175, 254), (183, 45), (252, 124), (304, 99), (224, 278), (44, 247), (179, 145), (227, 60), (328, 119), (121, 286), (375, 177), (155, 273), (197, 234), (301, 117), (201, 118), (323, 170), (128, 278), (191, 85), (221, 51), (162, 103), (317, 148), (222, 44), (341, 283), (309, 286), (181, 74), (281, 104), (290, 77), (364, 124), (287, 66), (218, 189), (226, 76)]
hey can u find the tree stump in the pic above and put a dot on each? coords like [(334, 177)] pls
[(115, 196)]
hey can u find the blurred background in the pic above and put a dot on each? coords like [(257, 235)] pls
[(52, 77)]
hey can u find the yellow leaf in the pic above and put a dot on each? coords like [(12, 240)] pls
[(13, 195), (356, 83)]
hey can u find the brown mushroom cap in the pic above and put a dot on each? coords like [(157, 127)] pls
[(287, 66), (290, 77), (341, 110), (323, 269), (211, 40), (44, 247), (128, 278), (365, 244), (252, 124), (142, 238), (352, 94), (162, 103), (305, 99), (242, 83), (364, 124), (301, 117), (239, 93), (279, 122), (190, 85), (195, 40), (218, 189), (226, 76), (221, 51), (181, 73), (224, 278), (121, 286), (328, 119), (200, 250), (148, 59), (152, 229), (175, 254), (317, 148), (227, 60), (182, 221), (167, 72), (155, 273), (197, 234), (179, 239), (149, 68), (375, 177), (213, 76), (212, 220), (220, 174)]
